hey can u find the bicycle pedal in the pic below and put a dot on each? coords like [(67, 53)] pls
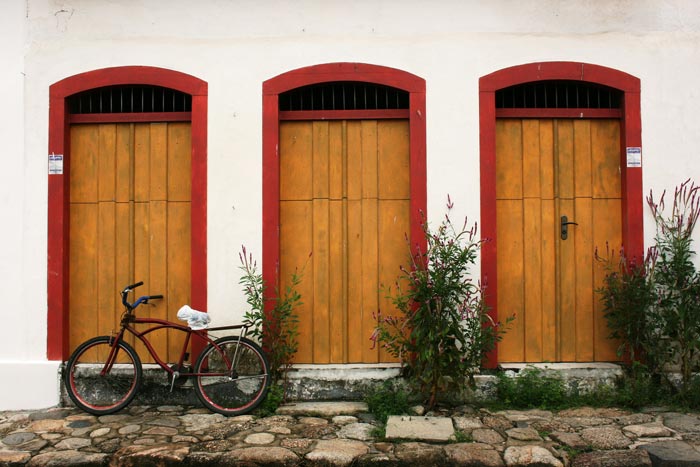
[(179, 377), (173, 379)]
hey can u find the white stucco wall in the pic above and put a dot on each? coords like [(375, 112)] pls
[(236, 45), (22, 237)]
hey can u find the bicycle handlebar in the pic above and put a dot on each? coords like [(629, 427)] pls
[(140, 300), (131, 287)]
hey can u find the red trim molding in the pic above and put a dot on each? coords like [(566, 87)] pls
[(343, 114), (558, 113), (632, 195), (333, 72), (58, 184), (131, 117)]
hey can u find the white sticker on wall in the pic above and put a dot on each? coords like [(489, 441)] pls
[(634, 157), (55, 164)]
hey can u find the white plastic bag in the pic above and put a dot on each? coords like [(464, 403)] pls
[(195, 319)]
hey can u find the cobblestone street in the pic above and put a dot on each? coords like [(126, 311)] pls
[(343, 433)]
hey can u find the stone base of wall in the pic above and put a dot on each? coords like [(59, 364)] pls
[(354, 382)]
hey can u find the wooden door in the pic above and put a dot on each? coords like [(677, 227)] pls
[(129, 221), (547, 169), (344, 199)]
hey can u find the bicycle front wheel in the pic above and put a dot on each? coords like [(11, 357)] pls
[(234, 376), (102, 379)]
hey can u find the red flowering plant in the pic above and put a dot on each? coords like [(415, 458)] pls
[(442, 331)]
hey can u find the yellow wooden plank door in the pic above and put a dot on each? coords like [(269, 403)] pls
[(129, 221), (547, 169), (344, 200)]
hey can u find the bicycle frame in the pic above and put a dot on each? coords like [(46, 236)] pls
[(159, 324)]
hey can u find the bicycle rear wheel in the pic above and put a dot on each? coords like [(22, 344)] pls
[(236, 376), (99, 387)]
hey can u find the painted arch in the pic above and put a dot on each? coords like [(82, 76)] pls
[(326, 73), (631, 177), (58, 184)]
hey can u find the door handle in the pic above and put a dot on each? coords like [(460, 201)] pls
[(565, 227)]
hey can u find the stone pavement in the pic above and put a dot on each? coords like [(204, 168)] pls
[(343, 433)]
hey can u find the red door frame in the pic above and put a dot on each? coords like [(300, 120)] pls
[(325, 73), (58, 185), (631, 136)]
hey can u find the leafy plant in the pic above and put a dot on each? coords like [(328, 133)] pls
[(532, 388), (276, 327), (628, 297), (676, 278), (462, 437), (654, 307), (639, 387), (274, 398), (387, 400), (442, 331)]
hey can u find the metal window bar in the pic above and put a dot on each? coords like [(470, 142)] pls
[(344, 96), (559, 95), (129, 99)]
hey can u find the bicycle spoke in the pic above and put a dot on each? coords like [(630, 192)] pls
[(100, 386), (249, 381)]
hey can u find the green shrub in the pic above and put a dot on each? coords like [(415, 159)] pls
[(387, 400), (628, 298), (443, 330), (532, 388), (275, 397), (653, 307), (676, 277), (276, 327), (689, 397)]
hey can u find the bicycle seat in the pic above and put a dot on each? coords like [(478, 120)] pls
[(195, 319)]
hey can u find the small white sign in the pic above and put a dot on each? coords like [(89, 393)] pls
[(634, 157), (55, 164)]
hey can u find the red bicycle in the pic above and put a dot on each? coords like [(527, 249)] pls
[(231, 375)]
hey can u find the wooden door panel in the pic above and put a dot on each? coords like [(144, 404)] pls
[(547, 169), (350, 183), (583, 267), (321, 279), (605, 160), (550, 230), (509, 160), (296, 148), (296, 243), (564, 160), (125, 227), (511, 293), (605, 233), (393, 252), (106, 312), (354, 283), (179, 265), (393, 161), (533, 284), (566, 287), (83, 272), (337, 289), (531, 158)]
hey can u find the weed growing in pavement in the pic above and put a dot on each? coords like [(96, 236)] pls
[(462, 437), (275, 397), (532, 388), (378, 432), (387, 400)]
